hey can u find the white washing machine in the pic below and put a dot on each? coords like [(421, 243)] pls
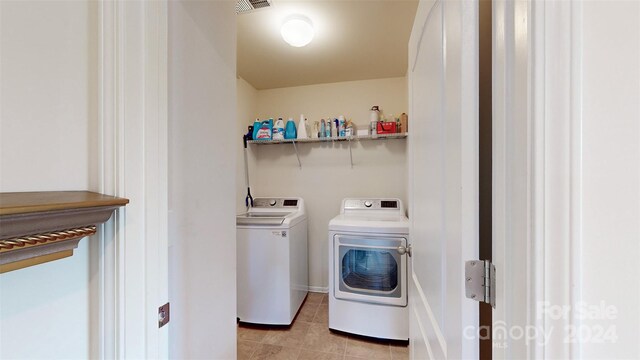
[(272, 270), (368, 269)]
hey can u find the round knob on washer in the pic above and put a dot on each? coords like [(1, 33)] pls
[(368, 203), (272, 203)]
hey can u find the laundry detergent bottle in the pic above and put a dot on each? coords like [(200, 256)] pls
[(278, 130), (290, 130)]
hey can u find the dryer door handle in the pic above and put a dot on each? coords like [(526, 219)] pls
[(404, 250)]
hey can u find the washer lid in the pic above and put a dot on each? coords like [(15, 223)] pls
[(261, 218), (392, 224)]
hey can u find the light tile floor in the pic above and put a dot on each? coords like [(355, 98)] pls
[(309, 338)]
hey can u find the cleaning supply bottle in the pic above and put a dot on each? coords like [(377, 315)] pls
[(302, 128), (341, 126), (278, 130), (256, 127), (265, 131), (334, 128), (290, 130), (404, 122), (349, 129), (327, 128), (374, 117), (323, 131)]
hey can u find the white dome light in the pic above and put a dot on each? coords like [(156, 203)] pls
[(297, 31)]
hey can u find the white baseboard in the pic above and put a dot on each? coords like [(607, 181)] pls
[(319, 289)]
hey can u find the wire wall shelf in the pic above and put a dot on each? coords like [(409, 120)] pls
[(343, 139)]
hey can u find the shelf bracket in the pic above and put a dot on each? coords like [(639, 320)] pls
[(297, 155)]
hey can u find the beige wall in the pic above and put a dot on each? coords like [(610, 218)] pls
[(247, 97), (353, 99), (379, 167), (48, 114), (202, 170)]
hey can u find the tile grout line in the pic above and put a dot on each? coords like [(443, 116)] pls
[(344, 354), (316, 314)]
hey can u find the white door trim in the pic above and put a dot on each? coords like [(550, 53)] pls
[(131, 276), (511, 172), (536, 152), (556, 173)]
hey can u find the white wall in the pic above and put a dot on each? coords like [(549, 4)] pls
[(202, 109), (379, 167), (247, 97), (610, 177), (48, 114)]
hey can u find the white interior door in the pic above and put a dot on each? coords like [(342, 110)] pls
[(443, 177)]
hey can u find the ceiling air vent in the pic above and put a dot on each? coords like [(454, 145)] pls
[(245, 6)]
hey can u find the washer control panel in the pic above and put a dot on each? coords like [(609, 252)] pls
[(275, 203), (371, 204)]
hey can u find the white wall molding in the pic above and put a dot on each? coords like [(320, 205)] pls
[(319, 289), (556, 179), (511, 243), (132, 255)]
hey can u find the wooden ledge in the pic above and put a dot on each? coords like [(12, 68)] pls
[(37, 227), (12, 203)]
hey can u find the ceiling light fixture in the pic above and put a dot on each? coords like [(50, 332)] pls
[(297, 30)]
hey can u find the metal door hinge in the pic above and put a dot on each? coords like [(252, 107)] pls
[(480, 281), (163, 315)]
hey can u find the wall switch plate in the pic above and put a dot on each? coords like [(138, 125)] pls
[(163, 315)]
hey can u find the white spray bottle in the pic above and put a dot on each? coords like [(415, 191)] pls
[(302, 128)]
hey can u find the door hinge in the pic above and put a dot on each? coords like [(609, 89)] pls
[(480, 281), (163, 315)]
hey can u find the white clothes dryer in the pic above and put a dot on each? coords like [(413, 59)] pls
[(368, 269), (272, 270)]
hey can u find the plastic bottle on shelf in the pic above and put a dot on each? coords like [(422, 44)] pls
[(256, 127), (334, 128), (404, 122), (374, 117), (349, 129), (278, 129), (302, 128), (341, 126), (290, 130), (265, 131)]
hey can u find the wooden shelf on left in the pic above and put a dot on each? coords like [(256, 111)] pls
[(38, 227)]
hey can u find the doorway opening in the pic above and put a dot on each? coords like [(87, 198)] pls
[(485, 161)]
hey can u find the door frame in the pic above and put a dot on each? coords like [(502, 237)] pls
[(536, 173), (129, 260)]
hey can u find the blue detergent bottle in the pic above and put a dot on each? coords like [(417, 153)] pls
[(290, 131), (256, 127)]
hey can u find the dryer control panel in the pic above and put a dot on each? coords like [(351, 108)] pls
[(372, 204)]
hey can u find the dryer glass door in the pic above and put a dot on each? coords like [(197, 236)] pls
[(370, 269)]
